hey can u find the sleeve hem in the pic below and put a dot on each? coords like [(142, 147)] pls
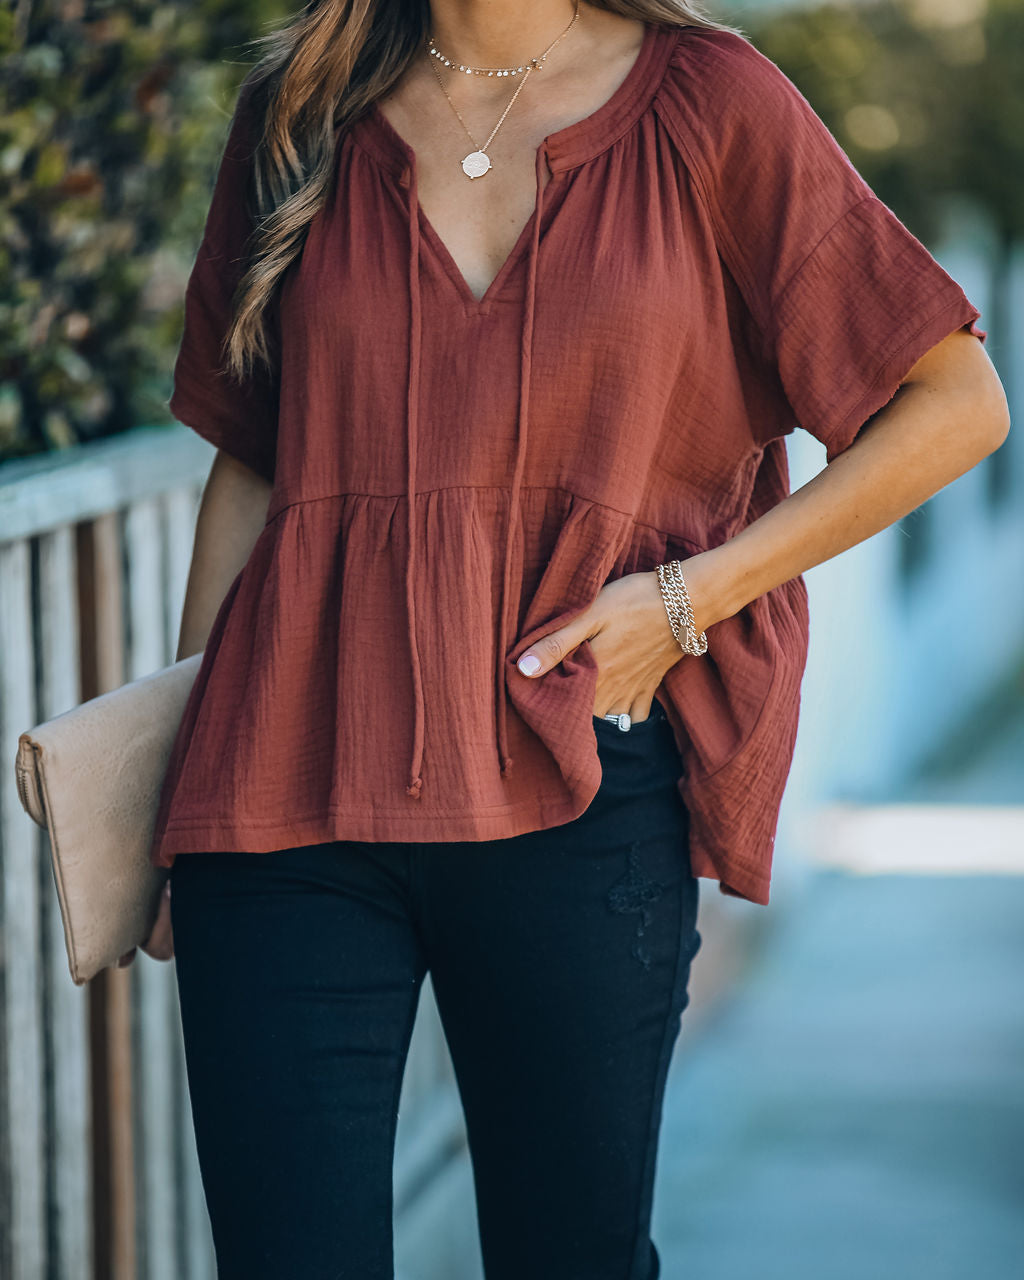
[(956, 314), (189, 414)]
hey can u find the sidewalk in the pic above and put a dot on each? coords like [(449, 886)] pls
[(855, 1107)]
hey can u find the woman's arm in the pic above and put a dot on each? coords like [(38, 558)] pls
[(232, 513), (948, 413)]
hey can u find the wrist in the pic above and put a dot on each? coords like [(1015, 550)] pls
[(707, 588)]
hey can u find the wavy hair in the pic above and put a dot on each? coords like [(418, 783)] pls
[(316, 74)]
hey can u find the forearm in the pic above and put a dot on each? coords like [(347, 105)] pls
[(942, 422), (231, 516)]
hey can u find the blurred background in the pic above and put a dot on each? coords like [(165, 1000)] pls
[(846, 1094)]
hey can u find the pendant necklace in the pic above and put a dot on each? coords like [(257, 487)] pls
[(478, 162)]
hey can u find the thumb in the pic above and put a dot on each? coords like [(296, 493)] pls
[(549, 650)]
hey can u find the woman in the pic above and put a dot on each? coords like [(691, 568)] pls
[(500, 384)]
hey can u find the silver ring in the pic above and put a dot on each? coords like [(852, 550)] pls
[(622, 720)]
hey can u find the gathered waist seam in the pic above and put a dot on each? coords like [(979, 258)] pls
[(448, 488)]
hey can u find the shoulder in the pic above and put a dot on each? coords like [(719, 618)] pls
[(743, 127), (728, 103), (720, 74)]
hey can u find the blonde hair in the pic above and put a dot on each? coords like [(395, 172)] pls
[(317, 73)]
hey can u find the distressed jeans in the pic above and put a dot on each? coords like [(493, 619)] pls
[(559, 961)]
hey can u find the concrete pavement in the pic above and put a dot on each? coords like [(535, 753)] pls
[(855, 1108)]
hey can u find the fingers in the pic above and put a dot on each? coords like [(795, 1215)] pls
[(549, 650), (160, 943), (617, 597)]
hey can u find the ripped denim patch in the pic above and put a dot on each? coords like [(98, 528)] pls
[(634, 891)]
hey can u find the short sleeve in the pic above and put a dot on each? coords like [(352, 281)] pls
[(844, 297), (238, 417)]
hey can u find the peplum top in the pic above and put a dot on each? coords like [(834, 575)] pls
[(703, 271)]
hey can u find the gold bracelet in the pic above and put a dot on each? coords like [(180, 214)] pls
[(679, 609)]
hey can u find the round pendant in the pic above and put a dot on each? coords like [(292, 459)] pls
[(476, 164)]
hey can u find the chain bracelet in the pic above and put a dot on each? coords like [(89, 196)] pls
[(679, 608)]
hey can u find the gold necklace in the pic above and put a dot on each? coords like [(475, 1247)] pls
[(478, 162)]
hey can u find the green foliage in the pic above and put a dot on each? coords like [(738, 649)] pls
[(925, 96), (113, 116)]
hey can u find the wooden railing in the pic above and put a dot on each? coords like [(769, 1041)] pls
[(98, 1171)]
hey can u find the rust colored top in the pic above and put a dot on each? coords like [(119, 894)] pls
[(703, 272)]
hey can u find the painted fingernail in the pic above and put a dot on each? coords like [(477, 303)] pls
[(529, 664)]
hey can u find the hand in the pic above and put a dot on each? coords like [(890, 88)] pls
[(160, 943), (630, 636)]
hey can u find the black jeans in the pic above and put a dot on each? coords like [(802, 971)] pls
[(559, 961)]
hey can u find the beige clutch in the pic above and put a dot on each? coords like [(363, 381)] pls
[(92, 777)]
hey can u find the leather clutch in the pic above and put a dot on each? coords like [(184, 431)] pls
[(92, 777)]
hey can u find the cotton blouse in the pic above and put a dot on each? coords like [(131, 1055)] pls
[(454, 478)]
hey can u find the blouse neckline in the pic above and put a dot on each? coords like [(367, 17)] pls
[(566, 147)]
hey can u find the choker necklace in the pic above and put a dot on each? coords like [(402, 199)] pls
[(478, 162)]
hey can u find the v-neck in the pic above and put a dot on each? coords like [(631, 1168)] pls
[(564, 148), (472, 303)]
